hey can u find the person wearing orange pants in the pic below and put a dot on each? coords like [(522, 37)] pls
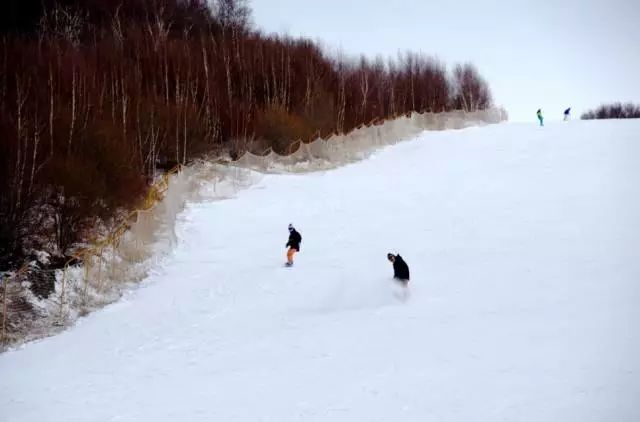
[(293, 244), (290, 253)]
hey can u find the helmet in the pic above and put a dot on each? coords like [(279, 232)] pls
[(290, 227)]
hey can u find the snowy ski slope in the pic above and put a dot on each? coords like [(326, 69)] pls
[(523, 243)]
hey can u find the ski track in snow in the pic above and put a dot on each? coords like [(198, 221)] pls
[(523, 248)]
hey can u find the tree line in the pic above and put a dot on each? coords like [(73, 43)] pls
[(613, 111), (98, 96)]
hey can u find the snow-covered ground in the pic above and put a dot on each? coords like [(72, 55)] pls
[(523, 243)]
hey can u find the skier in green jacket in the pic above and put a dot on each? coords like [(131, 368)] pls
[(540, 118)]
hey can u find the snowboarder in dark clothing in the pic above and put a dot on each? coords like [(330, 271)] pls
[(400, 268), (293, 244), (567, 112)]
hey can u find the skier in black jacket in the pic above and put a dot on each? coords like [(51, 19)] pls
[(293, 244), (400, 268)]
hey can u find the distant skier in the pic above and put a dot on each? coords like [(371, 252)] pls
[(540, 118), (293, 244), (567, 112), (400, 268)]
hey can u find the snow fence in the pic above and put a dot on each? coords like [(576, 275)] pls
[(337, 150), (100, 272)]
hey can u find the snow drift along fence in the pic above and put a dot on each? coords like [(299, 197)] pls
[(99, 273)]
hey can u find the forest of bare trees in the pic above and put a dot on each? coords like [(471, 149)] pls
[(98, 96), (613, 111)]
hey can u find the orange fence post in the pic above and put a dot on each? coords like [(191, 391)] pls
[(4, 310), (63, 288), (85, 289)]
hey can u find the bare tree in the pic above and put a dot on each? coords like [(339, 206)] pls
[(63, 23), (471, 91), (613, 111), (234, 14)]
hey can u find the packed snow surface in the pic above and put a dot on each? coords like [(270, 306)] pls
[(524, 249)]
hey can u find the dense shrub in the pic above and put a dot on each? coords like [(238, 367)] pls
[(281, 127)]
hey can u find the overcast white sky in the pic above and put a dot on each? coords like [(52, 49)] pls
[(535, 54)]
